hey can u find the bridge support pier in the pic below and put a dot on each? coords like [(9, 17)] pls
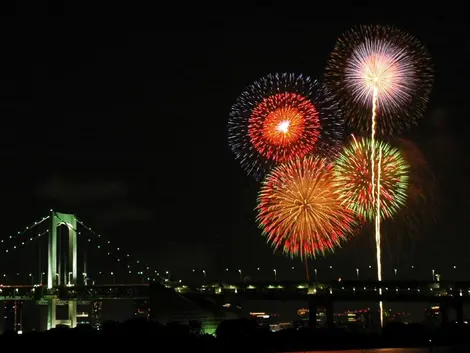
[(52, 321), (330, 321), (444, 310), (60, 270), (459, 311), (72, 315), (51, 313), (312, 314)]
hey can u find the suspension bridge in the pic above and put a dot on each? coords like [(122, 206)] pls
[(64, 283)]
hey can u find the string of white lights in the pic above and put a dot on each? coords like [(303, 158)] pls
[(27, 241), (121, 257), (24, 231), (109, 253)]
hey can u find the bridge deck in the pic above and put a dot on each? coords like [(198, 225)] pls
[(282, 290)]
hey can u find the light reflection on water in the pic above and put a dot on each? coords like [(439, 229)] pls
[(389, 350)]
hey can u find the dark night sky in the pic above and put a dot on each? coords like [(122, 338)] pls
[(127, 129)]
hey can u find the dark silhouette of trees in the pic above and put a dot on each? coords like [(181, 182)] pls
[(245, 335)]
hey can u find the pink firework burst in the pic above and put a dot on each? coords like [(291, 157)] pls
[(381, 61)]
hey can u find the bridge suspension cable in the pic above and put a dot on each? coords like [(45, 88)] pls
[(27, 241), (24, 231), (133, 265)]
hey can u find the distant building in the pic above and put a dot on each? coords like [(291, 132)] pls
[(13, 316), (83, 318), (304, 316), (143, 310), (280, 326), (398, 316), (96, 308), (350, 319), (266, 319), (354, 319), (433, 315)]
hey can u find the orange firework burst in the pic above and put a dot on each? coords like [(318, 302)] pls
[(299, 208)]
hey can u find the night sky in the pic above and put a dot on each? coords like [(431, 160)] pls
[(128, 129)]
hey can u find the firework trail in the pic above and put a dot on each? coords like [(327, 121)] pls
[(380, 66), (282, 117), (354, 169), (300, 211), (378, 238), (420, 196)]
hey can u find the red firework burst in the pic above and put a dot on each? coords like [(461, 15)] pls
[(284, 126), (281, 117)]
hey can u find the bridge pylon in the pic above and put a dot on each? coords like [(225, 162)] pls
[(60, 272)]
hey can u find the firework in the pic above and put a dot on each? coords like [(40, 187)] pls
[(299, 208), (383, 63), (282, 117), (353, 170)]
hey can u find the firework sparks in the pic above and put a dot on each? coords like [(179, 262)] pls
[(278, 130), (300, 211), (353, 170), (376, 66), (282, 117), (383, 61), (373, 179)]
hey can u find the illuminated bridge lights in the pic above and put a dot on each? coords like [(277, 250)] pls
[(413, 288), (181, 289), (284, 289)]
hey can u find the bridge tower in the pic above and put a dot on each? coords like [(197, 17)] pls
[(60, 272)]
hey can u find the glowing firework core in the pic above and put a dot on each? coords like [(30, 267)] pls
[(379, 72), (283, 126), (279, 121), (382, 67)]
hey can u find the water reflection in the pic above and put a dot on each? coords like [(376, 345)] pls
[(391, 350)]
